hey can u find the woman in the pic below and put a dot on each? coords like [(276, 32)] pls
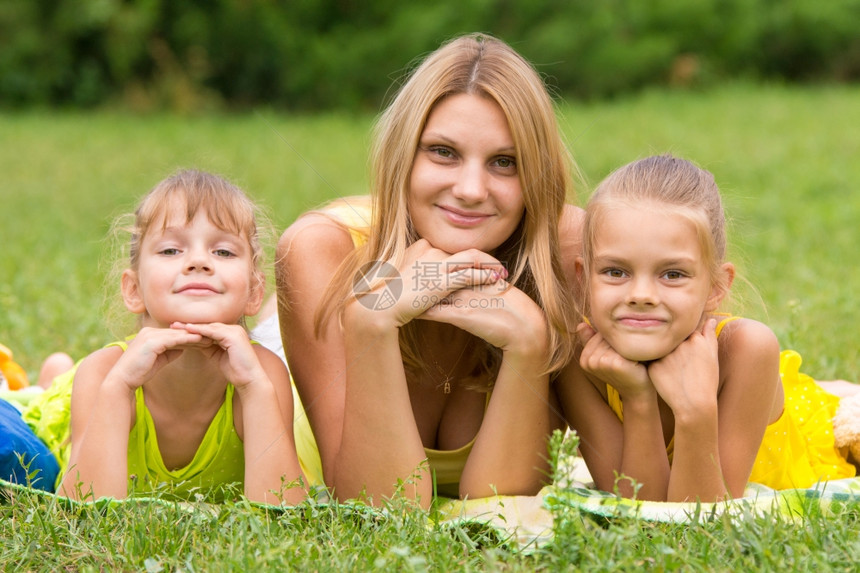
[(426, 326)]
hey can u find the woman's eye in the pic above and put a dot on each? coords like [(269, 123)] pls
[(442, 152), (506, 162)]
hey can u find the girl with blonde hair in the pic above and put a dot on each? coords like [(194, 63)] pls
[(673, 400), (187, 406)]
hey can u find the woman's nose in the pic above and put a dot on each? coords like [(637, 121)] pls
[(471, 183)]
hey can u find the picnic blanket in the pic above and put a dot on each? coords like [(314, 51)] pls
[(526, 522)]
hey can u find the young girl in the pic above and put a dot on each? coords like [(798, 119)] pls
[(188, 401), (436, 375), (668, 394)]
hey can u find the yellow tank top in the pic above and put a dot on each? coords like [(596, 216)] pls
[(219, 459), (797, 449), (218, 462)]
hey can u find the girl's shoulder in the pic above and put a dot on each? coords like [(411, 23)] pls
[(271, 362), (746, 337), (97, 364)]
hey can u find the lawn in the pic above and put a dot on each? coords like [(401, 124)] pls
[(785, 159)]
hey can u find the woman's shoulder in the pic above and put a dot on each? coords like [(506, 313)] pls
[(570, 223), (570, 240), (334, 229), (319, 233)]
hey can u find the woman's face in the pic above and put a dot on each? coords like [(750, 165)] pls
[(464, 190)]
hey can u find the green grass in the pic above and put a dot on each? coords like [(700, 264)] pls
[(785, 159)]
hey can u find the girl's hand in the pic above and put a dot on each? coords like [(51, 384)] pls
[(599, 360), (149, 352), (688, 377), (229, 346), (427, 275)]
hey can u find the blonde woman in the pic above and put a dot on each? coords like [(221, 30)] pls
[(422, 326)]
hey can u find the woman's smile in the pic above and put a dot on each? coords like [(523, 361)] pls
[(465, 190)]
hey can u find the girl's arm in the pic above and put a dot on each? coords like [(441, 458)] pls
[(644, 463), (102, 410), (635, 450), (102, 413), (263, 387), (750, 397), (722, 398)]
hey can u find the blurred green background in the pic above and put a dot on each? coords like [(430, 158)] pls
[(321, 54), (100, 99)]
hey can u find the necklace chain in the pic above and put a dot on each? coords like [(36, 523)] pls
[(446, 383)]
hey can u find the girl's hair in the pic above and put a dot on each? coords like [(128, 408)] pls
[(484, 66), (188, 192), (664, 182)]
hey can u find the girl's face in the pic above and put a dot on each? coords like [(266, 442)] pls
[(465, 191), (649, 287), (194, 273)]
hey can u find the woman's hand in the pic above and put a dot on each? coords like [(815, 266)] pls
[(427, 276), (498, 313)]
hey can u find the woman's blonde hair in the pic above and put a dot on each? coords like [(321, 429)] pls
[(484, 66), (664, 182), (190, 191)]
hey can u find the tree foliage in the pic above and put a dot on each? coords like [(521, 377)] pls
[(319, 54)]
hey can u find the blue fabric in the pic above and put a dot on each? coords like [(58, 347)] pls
[(23, 454)]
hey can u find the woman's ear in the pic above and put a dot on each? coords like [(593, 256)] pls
[(580, 269), (721, 287), (131, 294)]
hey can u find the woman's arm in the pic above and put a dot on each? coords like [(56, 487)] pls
[(309, 252), (510, 451), (381, 443)]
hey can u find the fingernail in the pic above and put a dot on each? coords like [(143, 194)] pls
[(495, 276)]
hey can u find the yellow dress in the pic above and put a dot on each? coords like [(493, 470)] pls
[(798, 449)]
